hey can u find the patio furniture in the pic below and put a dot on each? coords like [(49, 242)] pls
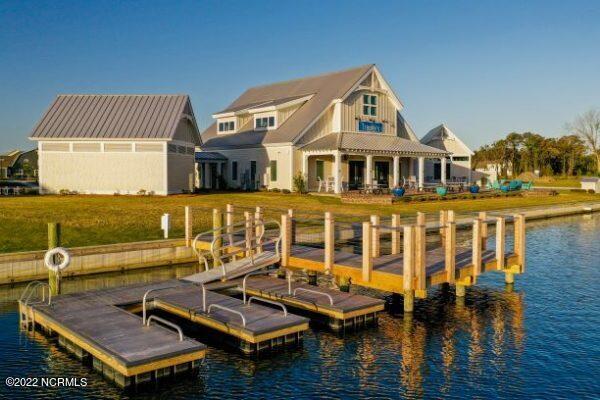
[(330, 184), (474, 189), (527, 186), (398, 192), (441, 190), (322, 184)]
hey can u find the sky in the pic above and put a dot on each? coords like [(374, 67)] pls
[(484, 68)]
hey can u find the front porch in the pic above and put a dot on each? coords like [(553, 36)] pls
[(338, 171)]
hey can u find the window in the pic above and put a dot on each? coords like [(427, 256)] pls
[(264, 122), (370, 105), (273, 171), (461, 158), (227, 126), (234, 172), (320, 169)]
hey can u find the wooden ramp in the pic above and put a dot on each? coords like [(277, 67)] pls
[(256, 327), (340, 310), (113, 340), (237, 268)]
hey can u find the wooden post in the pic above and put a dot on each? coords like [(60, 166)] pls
[(292, 226), (376, 228), (520, 239), (329, 242), (286, 244), (476, 255), (500, 242), (259, 228), (229, 217), (395, 234), (450, 251), (367, 260), (54, 239), (421, 219), (420, 262), (249, 232), (451, 216), (217, 232), (484, 229), (443, 221), (408, 268), (188, 226)]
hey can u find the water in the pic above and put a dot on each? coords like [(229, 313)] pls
[(542, 340)]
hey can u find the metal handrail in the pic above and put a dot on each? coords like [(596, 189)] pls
[(246, 278), (203, 297), (146, 295), (229, 310), (32, 292), (275, 303), (27, 288), (167, 323), (315, 292)]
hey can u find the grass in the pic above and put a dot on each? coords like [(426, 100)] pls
[(94, 220), (570, 182)]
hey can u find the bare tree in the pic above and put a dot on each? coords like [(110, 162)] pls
[(587, 126)]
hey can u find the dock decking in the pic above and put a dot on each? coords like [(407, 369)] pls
[(341, 310)]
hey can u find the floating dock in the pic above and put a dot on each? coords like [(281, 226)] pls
[(340, 310)]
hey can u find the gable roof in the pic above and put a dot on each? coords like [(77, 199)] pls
[(323, 88), (93, 116), (359, 142), (443, 138)]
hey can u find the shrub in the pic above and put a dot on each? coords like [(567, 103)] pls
[(591, 191), (64, 192), (299, 184), (286, 191), (141, 192), (275, 190), (578, 190)]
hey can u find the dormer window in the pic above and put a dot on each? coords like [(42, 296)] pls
[(370, 105), (262, 123), (228, 126)]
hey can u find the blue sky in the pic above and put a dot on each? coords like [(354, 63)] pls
[(484, 68)]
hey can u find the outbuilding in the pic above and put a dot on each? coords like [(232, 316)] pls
[(591, 183), (117, 144)]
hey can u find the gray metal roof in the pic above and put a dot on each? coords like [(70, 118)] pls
[(209, 156), (325, 88), (369, 142), (114, 117), (260, 104)]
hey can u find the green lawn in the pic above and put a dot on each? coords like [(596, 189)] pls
[(89, 220), (571, 182)]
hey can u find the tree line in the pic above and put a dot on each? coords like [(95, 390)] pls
[(576, 153)]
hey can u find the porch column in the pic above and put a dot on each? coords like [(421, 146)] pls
[(411, 167), (443, 170), (369, 170), (470, 171), (305, 166), (421, 180), (396, 171), (337, 171)]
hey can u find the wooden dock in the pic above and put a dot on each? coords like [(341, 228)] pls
[(339, 310)]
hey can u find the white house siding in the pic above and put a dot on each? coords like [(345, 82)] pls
[(101, 172), (322, 126), (263, 156)]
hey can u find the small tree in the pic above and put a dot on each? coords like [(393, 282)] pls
[(300, 185), (587, 127)]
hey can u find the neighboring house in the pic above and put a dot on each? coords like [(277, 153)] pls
[(18, 164), (342, 127), (106, 144), (457, 165)]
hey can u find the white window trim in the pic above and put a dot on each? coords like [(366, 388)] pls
[(227, 120), (375, 106), (267, 115)]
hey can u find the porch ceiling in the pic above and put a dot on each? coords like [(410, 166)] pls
[(372, 143)]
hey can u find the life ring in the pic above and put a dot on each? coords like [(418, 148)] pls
[(49, 259)]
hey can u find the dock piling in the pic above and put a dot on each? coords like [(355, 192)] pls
[(443, 221), (420, 261), (450, 251), (476, 254), (329, 242), (375, 237), (408, 268), (367, 252), (500, 242), (249, 233), (54, 239), (188, 226), (286, 242), (217, 226), (519, 240), (259, 229), (395, 246), (483, 229)]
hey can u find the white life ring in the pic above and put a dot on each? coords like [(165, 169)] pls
[(49, 259)]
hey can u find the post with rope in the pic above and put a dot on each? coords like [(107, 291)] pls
[(54, 236), (259, 229), (329, 242), (396, 237), (188, 226), (217, 233)]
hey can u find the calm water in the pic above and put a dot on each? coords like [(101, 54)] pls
[(541, 340)]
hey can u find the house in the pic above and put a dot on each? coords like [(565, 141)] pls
[(344, 128), (127, 144), (17, 164), (457, 165), (591, 183)]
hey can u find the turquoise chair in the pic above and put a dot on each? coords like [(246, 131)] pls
[(496, 185), (527, 186)]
